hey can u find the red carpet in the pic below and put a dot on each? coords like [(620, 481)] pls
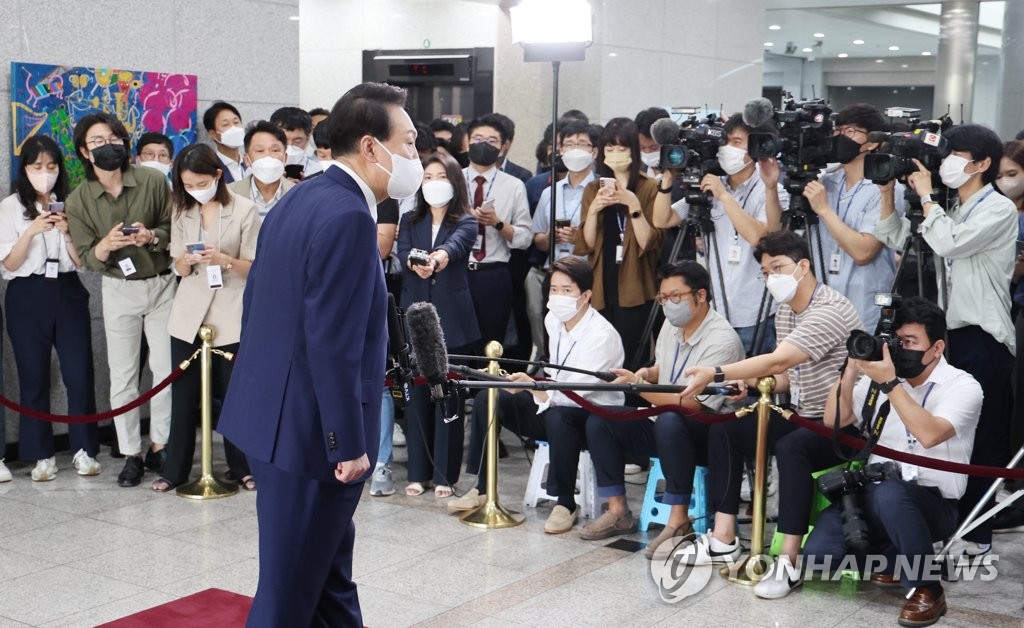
[(212, 607)]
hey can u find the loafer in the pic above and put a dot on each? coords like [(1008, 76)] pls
[(923, 608), (561, 520), (607, 525), (382, 483), (85, 464), (885, 580), (155, 460), (5, 473), (45, 470), (668, 540), (470, 501), (781, 579), (131, 474)]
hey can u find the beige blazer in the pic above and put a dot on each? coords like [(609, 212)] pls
[(195, 304)]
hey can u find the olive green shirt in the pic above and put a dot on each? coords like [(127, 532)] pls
[(92, 213)]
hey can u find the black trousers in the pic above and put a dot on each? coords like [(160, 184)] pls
[(186, 414), (43, 315), (991, 363), (630, 322), (491, 288), (903, 518), (428, 438), (517, 413), (519, 267), (679, 442), (798, 455)]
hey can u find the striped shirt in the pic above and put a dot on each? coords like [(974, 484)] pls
[(820, 331)]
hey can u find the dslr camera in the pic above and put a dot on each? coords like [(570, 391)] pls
[(694, 156), (923, 142), (863, 346), (843, 487)]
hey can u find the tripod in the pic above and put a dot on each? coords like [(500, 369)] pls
[(915, 243)]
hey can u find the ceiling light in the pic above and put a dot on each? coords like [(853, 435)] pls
[(819, 35), (894, 48), (807, 50), (775, 27), (294, 18), (926, 54), (879, 60), (842, 55), (768, 44), (858, 42), (904, 66), (613, 54)]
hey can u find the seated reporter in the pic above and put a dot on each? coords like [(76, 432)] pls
[(441, 225), (693, 334), (934, 412), (580, 338), (213, 243)]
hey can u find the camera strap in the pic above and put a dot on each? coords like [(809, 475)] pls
[(871, 426)]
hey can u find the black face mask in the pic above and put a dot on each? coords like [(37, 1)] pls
[(909, 364), (483, 154), (845, 150), (109, 157)]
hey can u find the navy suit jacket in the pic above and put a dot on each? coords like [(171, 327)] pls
[(517, 171), (306, 388), (449, 289)]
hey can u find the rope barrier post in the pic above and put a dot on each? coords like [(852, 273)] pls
[(756, 565), (491, 514), (207, 486)]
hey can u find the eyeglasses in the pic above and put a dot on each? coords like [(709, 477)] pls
[(154, 156), (574, 146), (849, 132), (493, 141), (96, 142), (774, 270), (675, 297)]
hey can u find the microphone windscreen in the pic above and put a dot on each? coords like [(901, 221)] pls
[(427, 340), (665, 131), (758, 112)]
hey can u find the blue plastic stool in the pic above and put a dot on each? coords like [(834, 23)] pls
[(656, 511)]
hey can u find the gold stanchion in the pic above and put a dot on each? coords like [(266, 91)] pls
[(207, 486), (491, 514), (751, 570)]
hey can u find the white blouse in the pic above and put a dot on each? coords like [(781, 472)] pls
[(49, 245)]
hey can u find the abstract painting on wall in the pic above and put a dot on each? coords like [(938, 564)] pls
[(51, 99)]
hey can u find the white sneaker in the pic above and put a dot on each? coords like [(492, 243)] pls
[(398, 437), (745, 483), (968, 549), (701, 552), (86, 465), (631, 469), (782, 577), (45, 470), (5, 473)]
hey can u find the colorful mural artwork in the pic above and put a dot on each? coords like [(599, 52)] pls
[(50, 99)]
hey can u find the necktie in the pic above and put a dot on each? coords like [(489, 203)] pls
[(478, 200)]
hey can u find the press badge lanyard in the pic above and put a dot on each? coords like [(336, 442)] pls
[(558, 351), (836, 259), (214, 276), (673, 372), (563, 206), (487, 191), (975, 205), (735, 254), (911, 441)]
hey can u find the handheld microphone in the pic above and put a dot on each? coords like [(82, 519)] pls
[(399, 351), (431, 356), (758, 112), (665, 131)]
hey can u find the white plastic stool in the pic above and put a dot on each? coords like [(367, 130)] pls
[(586, 482)]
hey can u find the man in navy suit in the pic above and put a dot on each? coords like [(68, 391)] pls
[(304, 399)]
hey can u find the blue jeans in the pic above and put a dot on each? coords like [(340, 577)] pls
[(387, 428), (746, 335)]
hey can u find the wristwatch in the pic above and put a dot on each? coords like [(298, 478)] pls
[(499, 225), (635, 215), (889, 385), (719, 375)]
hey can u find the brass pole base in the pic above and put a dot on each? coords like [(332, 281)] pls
[(748, 572), (493, 515), (206, 487)]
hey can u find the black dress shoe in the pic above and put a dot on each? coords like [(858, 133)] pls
[(155, 460), (1010, 519), (131, 474)]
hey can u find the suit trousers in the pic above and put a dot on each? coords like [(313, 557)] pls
[(516, 412), (434, 447), (306, 537), (186, 413), (491, 288), (43, 315)]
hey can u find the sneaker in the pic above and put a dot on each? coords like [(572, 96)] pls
[(398, 436), (1009, 519), (561, 520), (85, 464), (45, 470), (668, 541), (631, 469), (968, 549), (470, 501), (382, 484), (782, 577), (607, 525), (707, 550), (131, 474), (745, 483), (5, 473)]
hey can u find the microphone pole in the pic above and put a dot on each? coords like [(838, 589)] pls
[(577, 386), (601, 375)]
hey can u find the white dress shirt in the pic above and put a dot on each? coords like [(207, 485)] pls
[(44, 246), (510, 205), (570, 201), (593, 344), (371, 198), (236, 169)]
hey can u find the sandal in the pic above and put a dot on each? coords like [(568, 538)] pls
[(161, 485), (443, 491), (248, 483), (415, 489)]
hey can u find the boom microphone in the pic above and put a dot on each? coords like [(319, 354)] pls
[(758, 112), (431, 355), (398, 348), (665, 131)]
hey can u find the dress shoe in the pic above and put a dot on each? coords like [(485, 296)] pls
[(155, 460), (607, 525), (561, 520), (131, 474), (885, 580), (923, 608), (1009, 520)]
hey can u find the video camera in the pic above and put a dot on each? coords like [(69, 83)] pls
[(923, 142), (862, 345), (843, 487), (692, 152)]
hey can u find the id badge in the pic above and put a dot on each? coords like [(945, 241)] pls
[(127, 266), (478, 244), (794, 395), (52, 268), (214, 278), (833, 264), (618, 254), (735, 254)]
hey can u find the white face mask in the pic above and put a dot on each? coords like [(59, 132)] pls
[(437, 193), (1011, 187), (783, 287), (651, 159), (42, 182), (159, 166), (732, 159), (233, 137), (563, 307), (952, 171), (406, 174), (204, 195), (577, 159), (294, 155), (268, 169)]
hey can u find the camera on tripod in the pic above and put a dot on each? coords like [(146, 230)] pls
[(843, 488), (895, 160), (695, 155), (803, 144), (862, 345)]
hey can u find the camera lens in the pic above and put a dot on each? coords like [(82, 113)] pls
[(863, 346), (673, 156)]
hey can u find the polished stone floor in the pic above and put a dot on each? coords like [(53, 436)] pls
[(81, 551)]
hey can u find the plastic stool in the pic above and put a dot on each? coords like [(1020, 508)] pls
[(586, 482), (656, 511)]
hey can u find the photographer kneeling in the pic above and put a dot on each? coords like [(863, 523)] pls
[(934, 411)]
